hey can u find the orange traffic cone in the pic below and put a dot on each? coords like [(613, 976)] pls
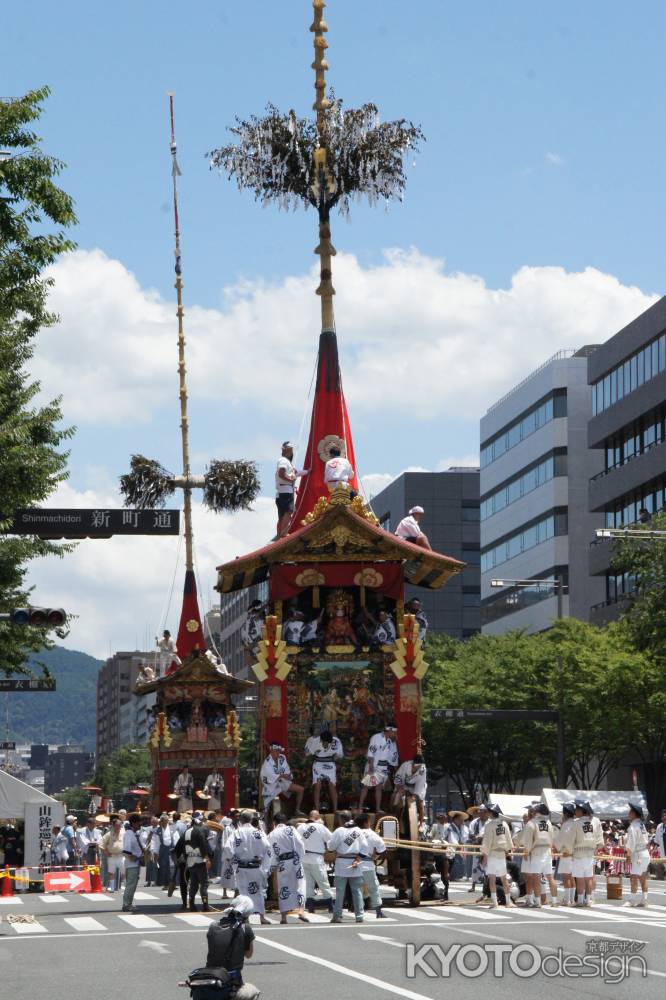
[(7, 887), (96, 882)]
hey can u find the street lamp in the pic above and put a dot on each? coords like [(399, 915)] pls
[(558, 586)]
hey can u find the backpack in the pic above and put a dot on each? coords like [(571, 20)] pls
[(213, 984)]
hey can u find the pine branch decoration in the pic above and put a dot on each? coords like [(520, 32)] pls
[(274, 157), (230, 486), (147, 485)]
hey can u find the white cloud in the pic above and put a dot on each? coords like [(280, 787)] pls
[(555, 159), (119, 587), (415, 340)]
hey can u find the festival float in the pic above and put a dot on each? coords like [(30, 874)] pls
[(336, 568)]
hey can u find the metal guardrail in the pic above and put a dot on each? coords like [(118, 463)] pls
[(625, 461), (567, 352)]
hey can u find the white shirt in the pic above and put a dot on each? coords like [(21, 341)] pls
[(439, 831), (660, 839), (315, 836), (408, 528), (88, 838), (636, 839), (348, 842), (315, 748), (373, 845), (285, 485), (380, 749), (273, 771), (248, 844), (338, 470), (131, 849), (214, 779), (415, 782), (285, 840)]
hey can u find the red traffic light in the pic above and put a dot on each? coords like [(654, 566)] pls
[(39, 617)]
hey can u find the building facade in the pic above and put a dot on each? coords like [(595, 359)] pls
[(451, 522), (233, 612), (535, 523), (627, 431), (115, 685), (67, 767)]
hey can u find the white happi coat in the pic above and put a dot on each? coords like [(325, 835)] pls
[(316, 837), (323, 765), (228, 875), (214, 787), (184, 789), (250, 850), (288, 855), (415, 783), (275, 778), (384, 753)]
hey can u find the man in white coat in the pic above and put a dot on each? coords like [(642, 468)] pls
[(381, 757), (250, 850), (636, 847), (374, 848), (316, 837), (277, 779), (411, 779), (325, 750), (288, 857), (495, 845), (564, 847), (660, 835), (214, 788), (184, 789)]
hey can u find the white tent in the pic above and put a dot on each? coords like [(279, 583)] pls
[(606, 805), (14, 794), (513, 807), (37, 811)]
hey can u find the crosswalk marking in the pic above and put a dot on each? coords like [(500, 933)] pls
[(424, 914), (145, 896), (84, 924), (54, 897), (96, 897), (468, 911), (33, 928), (541, 914), (140, 921), (194, 919), (11, 901), (634, 911)]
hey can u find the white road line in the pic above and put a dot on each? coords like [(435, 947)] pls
[(479, 914), (546, 914), (35, 928), (96, 897), (344, 971), (11, 901), (140, 921), (372, 916), (634, 911), (194, 919), (423, 914), (54, 898), (84, 924), (145, 895)]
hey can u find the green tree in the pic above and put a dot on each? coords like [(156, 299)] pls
[(123, 769), (32, 462), (644, 560)]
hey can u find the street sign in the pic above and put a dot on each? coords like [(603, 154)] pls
[(26, 684), (102, 523), (74, 881), (495, 714), (8, 745)]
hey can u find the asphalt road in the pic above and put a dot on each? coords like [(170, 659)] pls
[(85, 945)]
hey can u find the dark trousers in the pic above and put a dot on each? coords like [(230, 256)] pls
[(163, 865), (198, 879)]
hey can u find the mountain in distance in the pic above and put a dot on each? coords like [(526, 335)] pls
[(66, 715)]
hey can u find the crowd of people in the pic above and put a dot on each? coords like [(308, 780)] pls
[(510, 860)]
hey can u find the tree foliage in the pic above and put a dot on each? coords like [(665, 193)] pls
[(585, 671), (644, 560), (123, 769), (274, 157), (34, 214)]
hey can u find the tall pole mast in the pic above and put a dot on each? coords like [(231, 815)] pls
[(182, 370), (326, 250)]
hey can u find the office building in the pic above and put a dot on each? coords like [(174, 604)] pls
[(627, 433), (535, 523), (115, 685), (68, 767), (451, 522), (238, 660)]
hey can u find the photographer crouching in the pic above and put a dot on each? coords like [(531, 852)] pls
[(230, 942)]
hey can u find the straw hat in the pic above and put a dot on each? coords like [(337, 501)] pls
[(457, 812), (102, 818)]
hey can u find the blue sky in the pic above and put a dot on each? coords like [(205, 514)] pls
[(532, 219)]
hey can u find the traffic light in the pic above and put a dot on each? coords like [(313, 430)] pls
[(40, 617)]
